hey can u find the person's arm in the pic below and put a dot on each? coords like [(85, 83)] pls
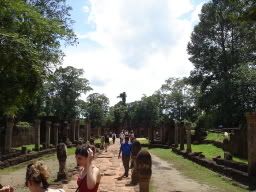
[(93, 173)]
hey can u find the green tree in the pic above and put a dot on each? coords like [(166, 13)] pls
[(31, 33), (178, 99), (220, 46), (66, 87), (96, 109)]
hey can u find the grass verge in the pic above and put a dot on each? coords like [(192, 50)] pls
[(143, 140), (210, 151)]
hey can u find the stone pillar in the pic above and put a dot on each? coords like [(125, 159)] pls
[(188, 131), (64, 131), (144, 167), (251, 137), (8, 134), (182, 135), (77, 129), (73, 130), (48, 125), (37, 124), (88, 130), (56, 133), (176, 135)]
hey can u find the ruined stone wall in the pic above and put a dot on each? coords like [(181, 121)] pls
[(22, 136)]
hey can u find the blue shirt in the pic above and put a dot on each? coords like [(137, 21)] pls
[(126, 149)]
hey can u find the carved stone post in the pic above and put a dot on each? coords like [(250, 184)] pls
[(136, 147), (62, 157), (144, 167)]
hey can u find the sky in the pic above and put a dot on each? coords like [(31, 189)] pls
[(131, 46)]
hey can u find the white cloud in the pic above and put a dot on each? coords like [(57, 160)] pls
[(141, 44)]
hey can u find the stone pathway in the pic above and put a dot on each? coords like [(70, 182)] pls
[(165, 178), (111, 168)]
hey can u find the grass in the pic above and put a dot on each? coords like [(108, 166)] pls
[(210, 151), (29, 147), (71, 150), (24, 164), (143, 140), (197, 172), (215, 136), (97, 141)]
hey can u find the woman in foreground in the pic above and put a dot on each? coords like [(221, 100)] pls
[(89, 177)]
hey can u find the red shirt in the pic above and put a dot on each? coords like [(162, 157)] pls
[(83, 187)]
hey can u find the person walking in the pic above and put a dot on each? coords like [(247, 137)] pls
[(125, 150), (113, 137), (106, 142), (121, 136)]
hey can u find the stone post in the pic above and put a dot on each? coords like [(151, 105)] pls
[(182, 135), (8, 134), (136, 147), (48, 125), (188, 131), (144, 167), (56, 133), (176, 135), (73, 130), (62, 157), (251, 137)]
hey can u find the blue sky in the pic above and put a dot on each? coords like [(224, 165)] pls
[(131, 46)]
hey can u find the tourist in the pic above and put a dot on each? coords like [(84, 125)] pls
[(106, 142), (113, 137), (89, 176), (36, 178), (125, 149), (121, 136)]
